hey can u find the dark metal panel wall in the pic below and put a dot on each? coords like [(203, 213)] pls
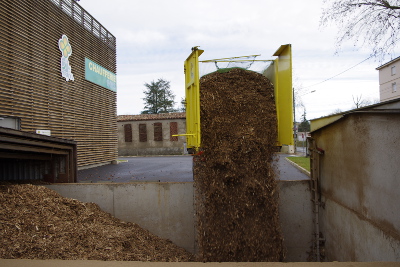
[(31, 85), (27, 156)]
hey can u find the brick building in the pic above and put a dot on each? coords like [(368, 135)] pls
[(151, 134)]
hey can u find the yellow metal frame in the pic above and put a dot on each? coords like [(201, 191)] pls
[(192, 93), (279, 73)]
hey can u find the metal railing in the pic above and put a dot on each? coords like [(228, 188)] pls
[(80, 15)]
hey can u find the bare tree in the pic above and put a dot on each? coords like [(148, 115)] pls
[(359, 102), (298, 92), (373, 23), (336, 111), (182, 108)]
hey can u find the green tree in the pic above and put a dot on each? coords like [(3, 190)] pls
[(158, 97), (304, 125), (372, 23)]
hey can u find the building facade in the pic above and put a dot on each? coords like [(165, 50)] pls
[(151, 134), (389, 80), (58, 75), (354, 161)]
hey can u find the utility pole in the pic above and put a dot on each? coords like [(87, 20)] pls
[(294, 123)]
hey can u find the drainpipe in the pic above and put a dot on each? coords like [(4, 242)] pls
[(315, 177), (316, 210), (320, 152)]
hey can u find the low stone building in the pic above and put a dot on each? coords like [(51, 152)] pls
[(151, 134)]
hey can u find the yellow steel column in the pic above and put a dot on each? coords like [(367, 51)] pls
[(192, 92), (284, 97)]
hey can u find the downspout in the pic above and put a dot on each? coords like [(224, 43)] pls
[(316, 218), (315, 177)]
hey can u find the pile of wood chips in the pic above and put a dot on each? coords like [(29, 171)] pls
[(236, 190), (38, 223)]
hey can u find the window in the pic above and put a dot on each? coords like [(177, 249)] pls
[(142, 133), (173, 129), (394, 87), (158, 131), (393, 70), (128, 132)]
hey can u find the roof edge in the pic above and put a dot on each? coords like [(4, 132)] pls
[(388, 63), (321, 122), (148, 117)]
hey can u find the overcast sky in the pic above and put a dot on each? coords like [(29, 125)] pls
[(155, 37)]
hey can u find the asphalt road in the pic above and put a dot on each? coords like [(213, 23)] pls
[(131, 169), (286, 171), (166, 169)]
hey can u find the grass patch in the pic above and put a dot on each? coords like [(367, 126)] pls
[(303, 162)]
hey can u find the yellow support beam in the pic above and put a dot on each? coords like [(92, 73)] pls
[(192, 93), (280, 74)]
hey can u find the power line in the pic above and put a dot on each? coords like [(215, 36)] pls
[(307, 93), (339, 73)]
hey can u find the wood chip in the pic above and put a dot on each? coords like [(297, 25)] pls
[(44, 225), (236, 197)]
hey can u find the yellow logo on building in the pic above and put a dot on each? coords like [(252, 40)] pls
[(66, 50)]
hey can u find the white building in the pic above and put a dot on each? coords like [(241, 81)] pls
[(389, 80)]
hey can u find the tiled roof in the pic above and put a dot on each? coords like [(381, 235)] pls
[(148, 117)]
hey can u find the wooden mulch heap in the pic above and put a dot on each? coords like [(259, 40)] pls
[(236, 190), (38, 223)]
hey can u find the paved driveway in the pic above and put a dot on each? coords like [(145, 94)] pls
[(287, 171), (165, 169), (131, 169)]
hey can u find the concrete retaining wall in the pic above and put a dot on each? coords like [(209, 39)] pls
[(296, 216), (359, 181), (166, 210), (358, 239)]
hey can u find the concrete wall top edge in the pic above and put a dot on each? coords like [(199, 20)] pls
[(119, 184)]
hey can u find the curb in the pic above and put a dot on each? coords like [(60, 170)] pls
[(299, 168)]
